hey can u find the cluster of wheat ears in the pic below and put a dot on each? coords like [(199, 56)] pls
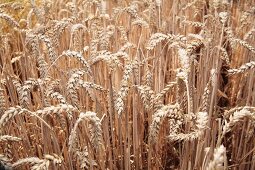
[(126, 84)]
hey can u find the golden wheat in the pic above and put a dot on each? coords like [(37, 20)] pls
[(113, 84)]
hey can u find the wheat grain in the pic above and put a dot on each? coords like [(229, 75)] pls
[(155, 39), (193, 23), (245, 67), (218, 158), (147, 96), (9, 138), (169, 111), (9, 19), (39, 164), (201, 123), (95, 130), (236, 117), (72, 85), (80, 58), (8, 114), (5, 162), (51, 51), (246, 45), (2, 101), (248, 34)]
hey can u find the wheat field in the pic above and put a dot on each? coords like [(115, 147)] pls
[(127, 84)]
